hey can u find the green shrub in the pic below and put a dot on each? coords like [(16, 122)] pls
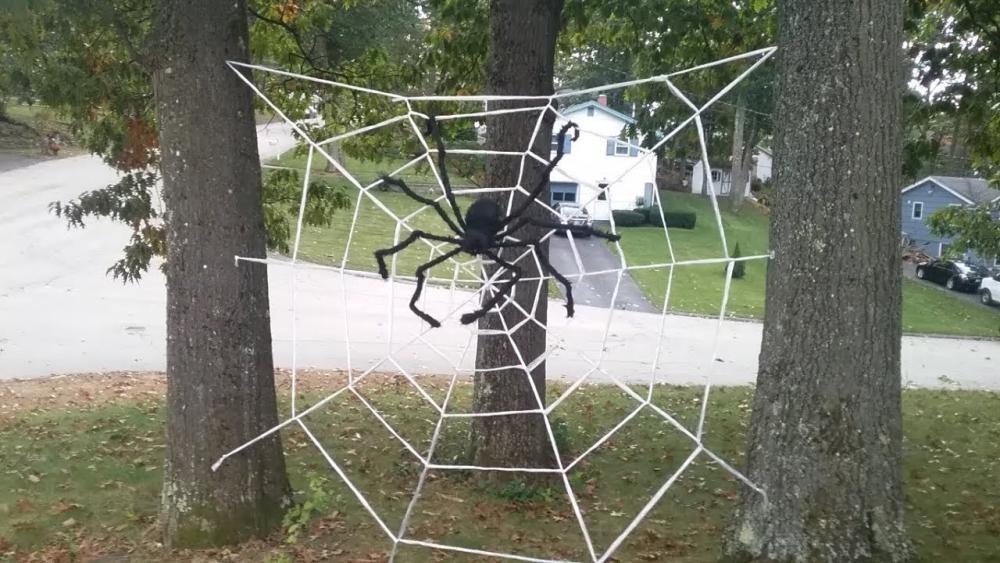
[(628, 218), (645, 212), (739, 268), (676, 219)]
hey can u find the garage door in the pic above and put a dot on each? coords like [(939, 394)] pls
[(562, 192)]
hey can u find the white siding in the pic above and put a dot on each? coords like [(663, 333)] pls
[(588, 165), (763, 169), (720, 184)]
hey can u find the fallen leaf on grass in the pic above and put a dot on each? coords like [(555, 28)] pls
[(63, 506)]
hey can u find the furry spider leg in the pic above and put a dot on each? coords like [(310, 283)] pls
[(576, 230), (504, 290), (546, 266), (399, 183), (544, 180), (435, 131), (381, 254), (420, 274)]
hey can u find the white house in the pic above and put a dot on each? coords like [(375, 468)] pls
[(763, 163), (597, 159), (721, 181)]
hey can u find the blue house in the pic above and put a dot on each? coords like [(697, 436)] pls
[(925, 197)]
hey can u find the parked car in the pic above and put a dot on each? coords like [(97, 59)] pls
[(953, 274), (989, 290), (573, 214)]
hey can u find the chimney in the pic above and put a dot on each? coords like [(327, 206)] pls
[(602, 100)]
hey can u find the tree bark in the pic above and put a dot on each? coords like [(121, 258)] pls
[(737, 185), (825, 436), (220, 379), (520, 61)]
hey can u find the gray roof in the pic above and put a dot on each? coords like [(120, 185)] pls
[(976, 190), (592, 104)]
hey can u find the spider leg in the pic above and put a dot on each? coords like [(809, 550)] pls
[(381, 254), (544, 180), (435, 130), (421, 271), (399, 183), (576, 230), (546, 265), (504, 290)]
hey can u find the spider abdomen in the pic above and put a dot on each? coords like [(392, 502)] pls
[(482, 223)]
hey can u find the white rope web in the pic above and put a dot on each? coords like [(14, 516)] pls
[(473, 270)]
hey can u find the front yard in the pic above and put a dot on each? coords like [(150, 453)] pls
[(696, 289), (81, 469)]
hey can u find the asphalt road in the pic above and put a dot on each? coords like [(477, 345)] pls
[(60, 313), (596, 291), (12, 161)]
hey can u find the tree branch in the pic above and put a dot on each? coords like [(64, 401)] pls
[(304, 54)]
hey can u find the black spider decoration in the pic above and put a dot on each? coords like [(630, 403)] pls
[(482, 231)]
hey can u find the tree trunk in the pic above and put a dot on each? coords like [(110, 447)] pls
[(825, 436), (333, 149), (220, 379), (522, 49), (737, 185)]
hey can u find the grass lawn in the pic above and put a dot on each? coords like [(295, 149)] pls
[(81, 478), (698, 289)]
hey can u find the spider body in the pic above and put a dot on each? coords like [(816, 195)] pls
[(484, 231), (482, 223)]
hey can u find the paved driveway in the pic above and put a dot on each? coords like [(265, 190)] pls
[(60, 313), (596, 290)]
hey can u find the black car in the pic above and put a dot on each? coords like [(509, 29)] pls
[(953, 274)]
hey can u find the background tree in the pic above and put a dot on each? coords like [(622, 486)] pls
[(826, 431), (521, 60), (220, 376), (972, 228), (956, 45)]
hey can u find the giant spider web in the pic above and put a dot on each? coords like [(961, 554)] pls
[(404, 333)]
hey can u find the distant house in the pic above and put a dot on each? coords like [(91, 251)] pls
[(763, 162), (722, 182), (598, 158), (925, 197)]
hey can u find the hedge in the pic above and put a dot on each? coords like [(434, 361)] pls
[(677, 219), (625, 218), (651, 216)]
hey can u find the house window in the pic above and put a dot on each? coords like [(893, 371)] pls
[(562, 192), (716, 176), (621, 148), (603, 194), (555, 143), (918, 210), (590, 112)]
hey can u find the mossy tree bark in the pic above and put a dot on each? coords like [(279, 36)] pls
[(220, 386), (520, 61), (826, 432)]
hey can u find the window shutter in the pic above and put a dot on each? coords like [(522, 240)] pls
[(611, 146), (633, 149)]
